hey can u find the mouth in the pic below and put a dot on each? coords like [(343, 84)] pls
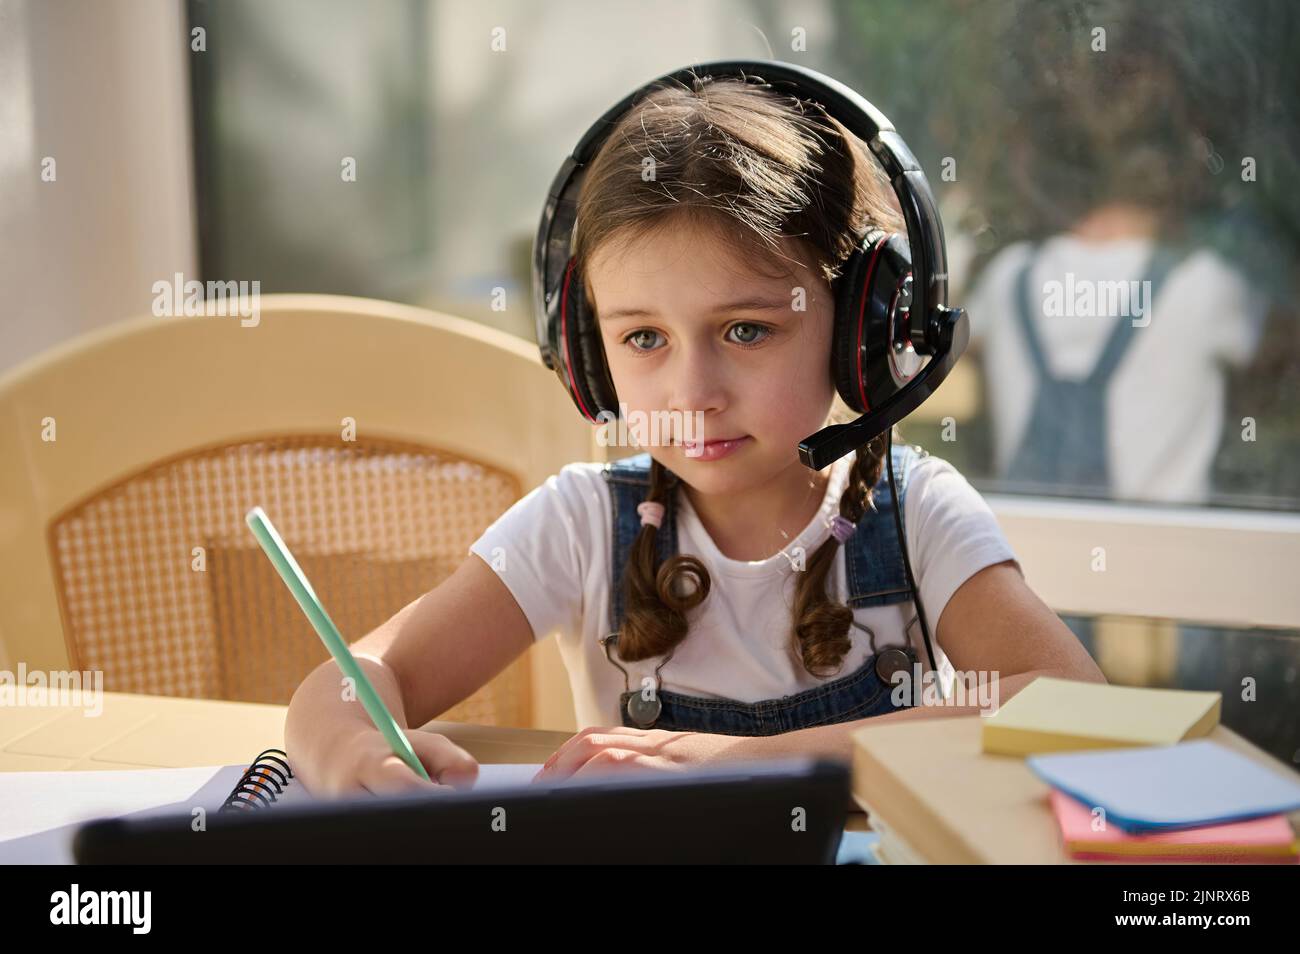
[(713, 450)]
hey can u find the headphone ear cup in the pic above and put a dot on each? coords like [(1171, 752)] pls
[(588, 373), (867, 305), (850, 290)]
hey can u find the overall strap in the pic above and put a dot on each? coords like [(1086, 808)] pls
[(1162, 261), (629, 484), (1025, 312), (873, 558)]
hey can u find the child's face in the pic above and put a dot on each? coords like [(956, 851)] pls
[(759, 371)]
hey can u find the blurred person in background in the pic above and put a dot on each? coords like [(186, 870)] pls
[(1106, 343)]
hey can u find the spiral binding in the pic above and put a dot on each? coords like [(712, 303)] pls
[(263, 782)]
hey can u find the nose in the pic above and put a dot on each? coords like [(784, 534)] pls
[(698, 379)]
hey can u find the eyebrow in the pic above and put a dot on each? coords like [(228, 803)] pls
[(743, 304)]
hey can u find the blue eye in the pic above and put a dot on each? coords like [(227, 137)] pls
[(763, 331), (757, 335), (640, 331)]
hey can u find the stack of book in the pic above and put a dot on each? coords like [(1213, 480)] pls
[(1151, 770), (1133, 777)]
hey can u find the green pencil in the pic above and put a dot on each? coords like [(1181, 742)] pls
[(296, 580)]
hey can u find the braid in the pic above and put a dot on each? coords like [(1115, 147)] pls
[(821, 629), (656, 601)]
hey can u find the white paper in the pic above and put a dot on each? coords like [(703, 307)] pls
[(40, 811)]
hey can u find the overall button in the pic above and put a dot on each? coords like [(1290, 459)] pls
[(890, 661), (642, 711)]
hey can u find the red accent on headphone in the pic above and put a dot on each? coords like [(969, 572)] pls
[(568, 357), (866, 290)]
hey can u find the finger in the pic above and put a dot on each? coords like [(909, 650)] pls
[(579, 750), (627, 730), (446, 761), (570, 755), (565, 746), (390, 776), (620, 762)]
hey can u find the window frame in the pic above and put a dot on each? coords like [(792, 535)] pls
[(1217, 566)]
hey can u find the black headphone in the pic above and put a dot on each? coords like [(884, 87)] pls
[(878, 338), (890, 298)]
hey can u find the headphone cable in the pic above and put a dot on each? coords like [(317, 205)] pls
[(902, 540)]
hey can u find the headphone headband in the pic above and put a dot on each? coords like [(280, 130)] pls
[(942, 331)]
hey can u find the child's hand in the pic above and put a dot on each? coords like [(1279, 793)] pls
[(365, 762), (595, 750)]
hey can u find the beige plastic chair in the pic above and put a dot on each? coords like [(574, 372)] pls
[(380, 439)]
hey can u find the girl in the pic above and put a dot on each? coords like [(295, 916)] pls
[(699, 593)]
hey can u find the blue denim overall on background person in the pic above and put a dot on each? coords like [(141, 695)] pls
[(876, 577), (1064, 448)]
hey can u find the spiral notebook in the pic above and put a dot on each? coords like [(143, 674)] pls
[(40, 811), (269, 780)]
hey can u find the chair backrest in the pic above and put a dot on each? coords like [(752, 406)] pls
[(380, 439)]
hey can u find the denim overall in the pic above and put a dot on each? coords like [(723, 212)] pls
[(1064, 447), (1065, 444), (876, 577)]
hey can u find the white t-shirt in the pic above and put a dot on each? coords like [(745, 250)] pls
[(554, 558), (1165, 401)]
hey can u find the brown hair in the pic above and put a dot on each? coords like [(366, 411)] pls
[(757, 166)]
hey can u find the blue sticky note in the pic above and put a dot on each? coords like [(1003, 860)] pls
[(856, 848), (1167, 787)]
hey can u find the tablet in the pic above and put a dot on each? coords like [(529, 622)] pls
[(788, 811)]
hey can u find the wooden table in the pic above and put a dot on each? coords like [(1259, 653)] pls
[(138, 731)]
